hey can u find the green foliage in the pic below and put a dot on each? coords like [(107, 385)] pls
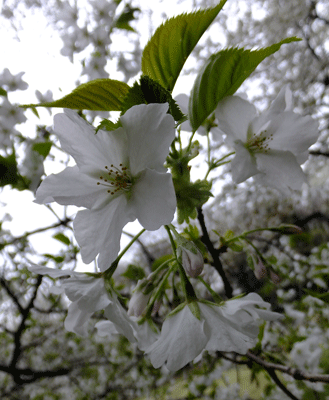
[(189, 195), (159, 261), (57, 259), (42, 148), (229, 240), (97, 95), (62, 238), (108, 125), (3, 92), (125, 18), (8, 170), (222, 75), (166, 52), (134, 272), (148, 91)]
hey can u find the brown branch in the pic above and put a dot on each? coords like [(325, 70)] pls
[(22, 237), (18, 334), (275, 378), (11, 294), (214, 254), (294, 372)]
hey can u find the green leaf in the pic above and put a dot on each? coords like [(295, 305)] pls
[(62, 238), (97, 95), (190, 196), (57, 259), (148, 91), (107, 125), (134, 272), (8, 170), (222, 75), (166, 52), (159, 261), (3, 92), (127, 16), (42, 148)]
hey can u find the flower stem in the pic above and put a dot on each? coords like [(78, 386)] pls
[(109, 272), (187, 286)]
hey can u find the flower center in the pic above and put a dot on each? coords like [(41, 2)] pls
[(116, 179), (259, 142)]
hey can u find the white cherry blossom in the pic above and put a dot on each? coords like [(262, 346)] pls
[(119, 177), (271, 146), (229, 327), (12, 82), (87, 293), (246, 313)]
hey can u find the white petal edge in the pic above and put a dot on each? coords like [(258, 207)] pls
[(154, 199), (234, 116), (99, 231), (150, 131), (69, 187)]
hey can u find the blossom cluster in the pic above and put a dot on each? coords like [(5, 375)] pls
[(93, 28), (10, 114), (120, 176)]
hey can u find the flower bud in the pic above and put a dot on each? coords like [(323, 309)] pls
[(191, 258), (138, 303), (260, 270), (275, 278), (139, 299)]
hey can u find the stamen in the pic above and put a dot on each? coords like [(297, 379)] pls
[(259, 142), (118, 179)]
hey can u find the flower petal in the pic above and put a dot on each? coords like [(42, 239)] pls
[(280, 170), (292, 132), (77, 320), (181, 340), (69, 187), (119, 317), (99, 231), (78, 138), (243, 164), (87, 291), (283, 101), (153, 199), (234, 116), (52, 272), (222, 335), (106, 328), (145, 335), (150, 131)]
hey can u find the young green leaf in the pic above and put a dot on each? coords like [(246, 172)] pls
[(149, 91), (97, 95), (166, 52), (42, 148), (125, 18), (3, 92), (222, 75), (107, 125), (62, 238)]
